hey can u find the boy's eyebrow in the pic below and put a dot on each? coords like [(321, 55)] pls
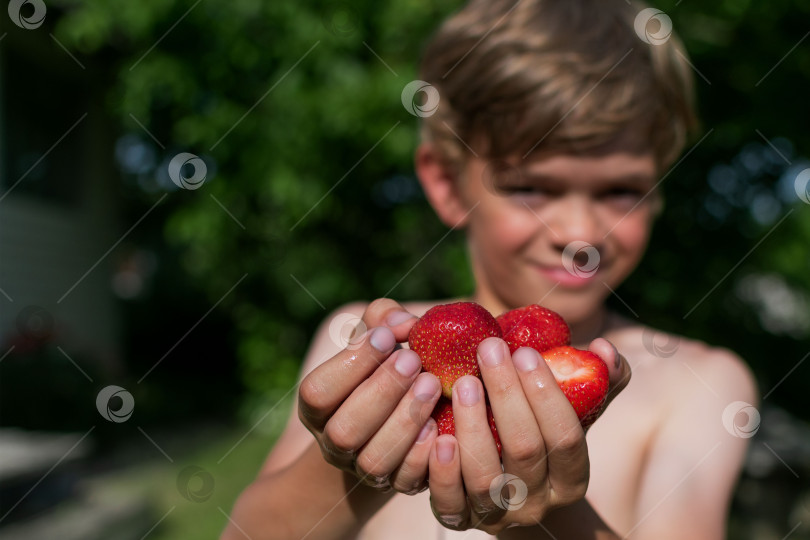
[(631, 178)]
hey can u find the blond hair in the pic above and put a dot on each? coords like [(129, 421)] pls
[(554, 75)]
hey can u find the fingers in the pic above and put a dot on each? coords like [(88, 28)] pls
[(389, 444), (410, 476), (480, 462), (447, 496), (567, 454), (378, 401), (328, 385), (517, 426), (544, 447), (618, 366), (387, 312)]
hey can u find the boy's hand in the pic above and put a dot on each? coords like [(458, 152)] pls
[(369, 407), (545, 456)]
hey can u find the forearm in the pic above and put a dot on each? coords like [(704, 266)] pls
[(310, 498), (579, 521)]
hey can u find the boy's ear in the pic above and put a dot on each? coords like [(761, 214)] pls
[(441, 186)]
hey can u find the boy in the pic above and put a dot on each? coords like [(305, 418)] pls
[(555, 123)]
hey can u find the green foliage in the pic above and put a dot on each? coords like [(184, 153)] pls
[(53, 404), (295, 108)]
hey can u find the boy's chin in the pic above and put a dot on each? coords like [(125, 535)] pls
[(576, 307)]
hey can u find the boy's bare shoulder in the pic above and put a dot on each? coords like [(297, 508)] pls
[(665, 360)]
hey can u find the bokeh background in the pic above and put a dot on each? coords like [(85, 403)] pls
[(199, 303)]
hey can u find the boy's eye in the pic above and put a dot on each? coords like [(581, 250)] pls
[(623, 192), (621, 196), (527, 190)]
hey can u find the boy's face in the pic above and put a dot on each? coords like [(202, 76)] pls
[(562, 231)]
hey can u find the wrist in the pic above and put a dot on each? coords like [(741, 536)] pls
[(343, 494), (309, 497)]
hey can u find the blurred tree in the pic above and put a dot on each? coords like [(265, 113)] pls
[(310, 199)]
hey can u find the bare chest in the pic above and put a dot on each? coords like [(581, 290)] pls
[(617, 445)]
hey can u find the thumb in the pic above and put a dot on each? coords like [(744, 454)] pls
[(618, 367)]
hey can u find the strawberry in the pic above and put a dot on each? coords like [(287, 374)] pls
[(534, 326), (583, 378), (446, 338), (443, 414)]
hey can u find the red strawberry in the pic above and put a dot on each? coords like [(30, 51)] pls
[(446, 338), (534, 326), (583, 378), (443, 414)]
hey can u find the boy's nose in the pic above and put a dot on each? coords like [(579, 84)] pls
[(575, 220)]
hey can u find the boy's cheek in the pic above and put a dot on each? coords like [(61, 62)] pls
[(630, 240), (506, 231), (631, 228)]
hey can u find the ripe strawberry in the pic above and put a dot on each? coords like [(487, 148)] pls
[(534, 326), (443, 414), (446, 338), (583, 378)]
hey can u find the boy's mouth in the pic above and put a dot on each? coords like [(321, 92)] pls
[(574, 277)]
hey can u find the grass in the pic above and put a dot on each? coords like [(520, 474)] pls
[(206, 519), (217, 469)]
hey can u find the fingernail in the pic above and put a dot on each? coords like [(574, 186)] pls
[(425, 388), (398, 317), (491, 352), (408, 363), (467, 390), (426, 429), (445, 450), (525, 359), (382, 339)]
